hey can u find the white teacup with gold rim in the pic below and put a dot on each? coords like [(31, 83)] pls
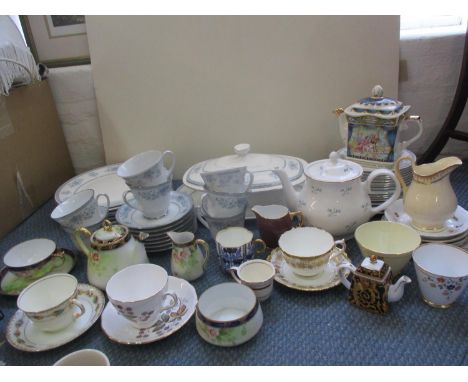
[(307, 250), (258, 275), (50, 303)]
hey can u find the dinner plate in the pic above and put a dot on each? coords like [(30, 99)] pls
[(103, 180)]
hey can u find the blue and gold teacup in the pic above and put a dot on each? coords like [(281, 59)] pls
[(236, 245)]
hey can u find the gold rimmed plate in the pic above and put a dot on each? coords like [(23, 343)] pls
[(328, 279)]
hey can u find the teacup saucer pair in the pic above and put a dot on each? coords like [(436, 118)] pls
[(328, 279), (23, 335), (119, 329)]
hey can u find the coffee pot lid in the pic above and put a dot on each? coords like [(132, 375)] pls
[(333, 169), (377, 105), (260, 165)]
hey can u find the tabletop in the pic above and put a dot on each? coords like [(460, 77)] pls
[(299, 328)]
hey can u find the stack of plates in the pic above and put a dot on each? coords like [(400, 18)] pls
[(382, 187), (180, 217), (455, 231), (103, 180)]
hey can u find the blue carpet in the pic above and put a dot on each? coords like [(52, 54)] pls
[(299, 328)]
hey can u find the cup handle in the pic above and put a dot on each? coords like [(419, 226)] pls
[(75, 302), (202, 219), (262, 243), (338, 250), (206, 247), (396, 193), (251, 176), (233, 272), (107, 202), (416, 119), (300, 218), (128, 203), (169, 153), (174, 301), (58, 255)]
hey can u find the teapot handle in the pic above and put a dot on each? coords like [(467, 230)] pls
[(416, 119), (343, 276), (396, 193)]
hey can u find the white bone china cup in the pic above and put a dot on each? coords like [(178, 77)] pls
[(84, 357)]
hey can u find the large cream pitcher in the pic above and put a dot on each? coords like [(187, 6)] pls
[(429, 200)]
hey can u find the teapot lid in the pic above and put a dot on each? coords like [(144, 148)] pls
[(333, 169), (260, 165), (377, 105), (110, 236), (374, 269)]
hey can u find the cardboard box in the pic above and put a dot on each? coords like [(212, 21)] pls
[(34, 158)]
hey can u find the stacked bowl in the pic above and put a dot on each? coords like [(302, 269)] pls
[(225, 201), (154, 207)]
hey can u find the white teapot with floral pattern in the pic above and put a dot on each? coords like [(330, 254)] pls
[(334, 198)]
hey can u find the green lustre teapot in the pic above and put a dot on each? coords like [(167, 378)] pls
[(111, 248)]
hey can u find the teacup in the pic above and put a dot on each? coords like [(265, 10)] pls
[(217, 224), (221, 205), (392, 242), (80, 210), (138, 292), (257, 275), (50, 302), (274, 220), (152, 201), (33, 258), (442, 272), (233, 181), (307, 250), (236, 245), (147, 169), (85, 357)]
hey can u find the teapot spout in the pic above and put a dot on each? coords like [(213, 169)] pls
[(288, 190), (395, 292)]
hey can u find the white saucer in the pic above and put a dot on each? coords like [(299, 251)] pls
[(455, 226), (180, 205), (284, 275), (22, 334), (119, 329)]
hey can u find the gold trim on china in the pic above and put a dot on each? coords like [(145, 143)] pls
[(434, 305), (296, 286), (308, 258)]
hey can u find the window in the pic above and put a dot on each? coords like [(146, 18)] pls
[(432, 26)]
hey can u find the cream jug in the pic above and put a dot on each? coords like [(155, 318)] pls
[(334, 198), (188, 261), (430, 200)]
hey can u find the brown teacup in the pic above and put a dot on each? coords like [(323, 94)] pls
[(274, 220)]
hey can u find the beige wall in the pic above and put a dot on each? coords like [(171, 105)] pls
[(200, 85)]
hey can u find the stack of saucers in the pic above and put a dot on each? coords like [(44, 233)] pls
[(383, 187), (180, 217), (455, 231)]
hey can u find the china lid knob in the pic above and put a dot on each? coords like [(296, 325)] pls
[(334, 156), (242, 149), (377, 91)]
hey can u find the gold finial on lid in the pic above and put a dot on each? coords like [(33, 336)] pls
[(107, 224), (373, 259)]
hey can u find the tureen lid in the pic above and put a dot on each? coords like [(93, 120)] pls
[(377, 105), (260, 165), (110, 236), (333, 169)]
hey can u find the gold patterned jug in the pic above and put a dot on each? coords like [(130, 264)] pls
[(429, 200)]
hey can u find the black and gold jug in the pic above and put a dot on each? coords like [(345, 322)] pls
[(371, 286)]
